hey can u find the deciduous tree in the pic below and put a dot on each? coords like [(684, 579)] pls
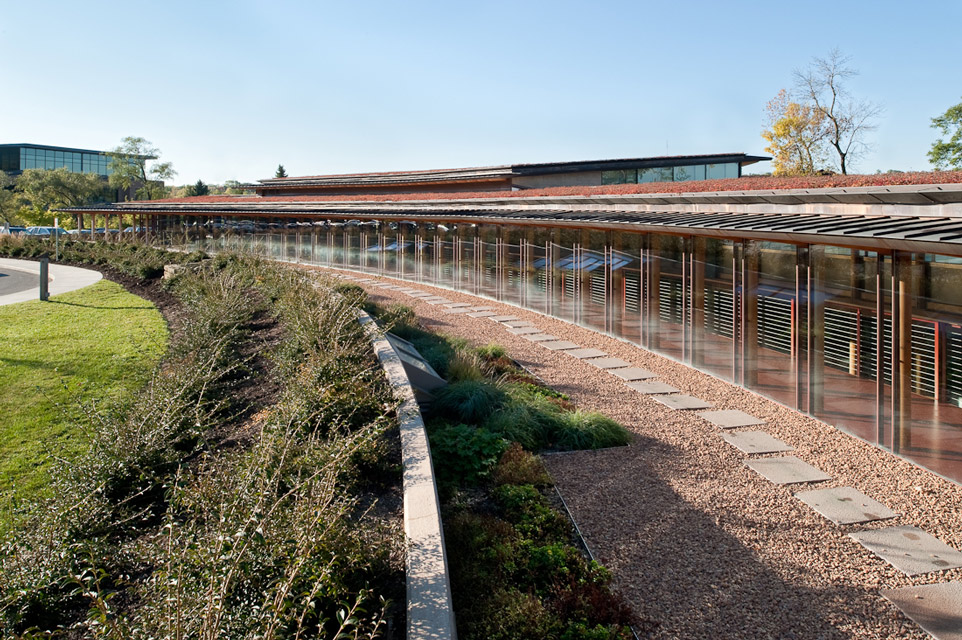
[(796, 137), (40, 191), (847, 120), (129, 166), (947, 154)]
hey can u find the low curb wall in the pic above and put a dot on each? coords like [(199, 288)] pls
[(430, 614)]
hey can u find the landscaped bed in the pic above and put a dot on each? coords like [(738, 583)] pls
[(249, 489), (517, 568)]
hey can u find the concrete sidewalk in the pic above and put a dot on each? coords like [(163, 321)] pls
[(62, 279)]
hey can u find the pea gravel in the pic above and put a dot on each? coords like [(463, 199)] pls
[(696, 541)]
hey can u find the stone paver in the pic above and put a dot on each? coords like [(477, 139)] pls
[(419, 294), (587, 353), (539, 337), (518, 323), (845, 505), (937, 608), (682, 402), (457, 305), (909, 549), (609, 363), (559, 345), (756, 442), (504, 318), (731, 418), (787, 470), (633, 373), (481, 314), (652, 387), (436, 302), (520, 331), (458, 310)]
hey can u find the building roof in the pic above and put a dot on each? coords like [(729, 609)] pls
[(500, 172)]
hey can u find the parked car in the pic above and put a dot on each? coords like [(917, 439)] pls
[(44, 231), (12, 231)]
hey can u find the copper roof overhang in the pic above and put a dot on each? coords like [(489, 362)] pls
[(923, 234)]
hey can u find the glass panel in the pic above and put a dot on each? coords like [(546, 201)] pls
[(713, 306), (667, 297), (621, 176)]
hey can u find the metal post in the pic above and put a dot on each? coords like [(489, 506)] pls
[(44, 277)]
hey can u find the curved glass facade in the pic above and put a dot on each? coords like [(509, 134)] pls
[(868, 341)]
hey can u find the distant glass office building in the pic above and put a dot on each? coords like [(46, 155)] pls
[(17, 158)]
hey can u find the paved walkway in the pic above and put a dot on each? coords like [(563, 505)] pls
[(20, 280), (707, 526)]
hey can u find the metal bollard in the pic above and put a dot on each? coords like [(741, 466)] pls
[(44, 270)]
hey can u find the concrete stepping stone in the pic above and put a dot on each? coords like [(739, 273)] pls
[(559, 345), (682, 402), (756, 442), (481, 314), (458, 310), (586, 353), (539, 337), (419, 294), (520, 331), (786, 470), (482, 308), (845, 505), (937, 608), (635, 373), (518, 323), (650, 387), (457, 305), (504, 318), (610, 363), (909, 549), (437, 302), (731, 418)]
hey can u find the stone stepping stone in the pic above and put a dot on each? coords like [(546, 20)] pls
[(909, 549), (682, 402), (520, 331), (937, 608), (458, 305), (586, 353), (518, 323), (482, 308), (382, 285), (634, 373), (787, 470), (408, 291), (420, 294), (458, 310), (845, 505), (504, 318), (481, 314), (650, 387), (610, 363), (559, 345), (437, 302), (539, 337), (756, 442), (731, 418), (436, 297)]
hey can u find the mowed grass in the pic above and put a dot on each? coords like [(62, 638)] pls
[(98, 343)]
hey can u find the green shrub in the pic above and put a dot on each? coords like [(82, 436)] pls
[(529, 512), (469, 401), (591, 430), (463, 454)]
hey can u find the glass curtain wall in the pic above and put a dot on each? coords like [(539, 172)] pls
[(868, 341)]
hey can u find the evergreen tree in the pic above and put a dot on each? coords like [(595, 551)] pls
[(280, 173)]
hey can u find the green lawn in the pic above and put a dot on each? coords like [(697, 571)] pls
[(96, 343)]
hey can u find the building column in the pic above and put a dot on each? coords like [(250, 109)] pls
[(816, 330), (653, 317), (750, 265), (697, 345), (902, 294)]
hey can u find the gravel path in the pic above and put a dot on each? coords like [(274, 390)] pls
[(696, 541)]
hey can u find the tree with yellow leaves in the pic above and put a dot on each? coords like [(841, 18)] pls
[(796, 135)]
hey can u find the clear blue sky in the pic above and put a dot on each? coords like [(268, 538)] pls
[(227, 90)]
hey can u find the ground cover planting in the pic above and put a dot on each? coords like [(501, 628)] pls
[(517, 568), (250, 489), (99, 343)]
